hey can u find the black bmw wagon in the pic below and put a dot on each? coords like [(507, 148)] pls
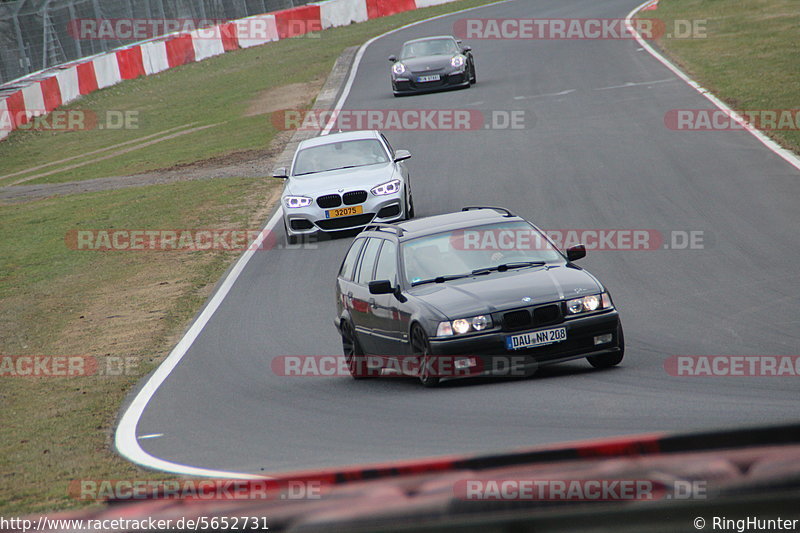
[(477, 292)]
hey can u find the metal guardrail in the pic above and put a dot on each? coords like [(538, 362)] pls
[(39, 34)]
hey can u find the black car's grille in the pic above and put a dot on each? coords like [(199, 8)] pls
[(527, 318), (547, 314), (517, 319), (355, 197), (428, 72), (345, 222), (329, 200)]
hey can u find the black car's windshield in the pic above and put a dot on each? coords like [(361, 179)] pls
[(431, 47), (333, 156), (475, 251)]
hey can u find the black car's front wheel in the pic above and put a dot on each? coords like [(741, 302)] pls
[(353, 354), (421, 348), (610, 359)]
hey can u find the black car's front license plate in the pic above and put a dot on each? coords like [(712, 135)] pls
[(432, 77), (532, 339)]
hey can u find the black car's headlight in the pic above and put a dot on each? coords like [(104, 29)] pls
[(398, 68), (589, 304), (464, 325), (458, 61)]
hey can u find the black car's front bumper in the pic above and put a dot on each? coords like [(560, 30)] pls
[(493, 358), (407, 84)]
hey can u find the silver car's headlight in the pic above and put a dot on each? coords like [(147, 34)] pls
[(458, 61), (588, 304), (390, 187), (464, 325), (398, 68), (297, 201)]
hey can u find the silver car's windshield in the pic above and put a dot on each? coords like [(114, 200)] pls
[(468, 251), (429, 48), (345, 154)]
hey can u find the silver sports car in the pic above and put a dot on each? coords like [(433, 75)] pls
[(344, 181)]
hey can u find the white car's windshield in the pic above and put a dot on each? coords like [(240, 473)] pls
[(346, 154), (464, 251), (429, 48)]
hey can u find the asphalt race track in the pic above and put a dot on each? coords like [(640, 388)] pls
[(594, 153)]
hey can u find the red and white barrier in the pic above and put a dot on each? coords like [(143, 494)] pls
[(255, 31), (5, 120), (154, 57), (68, 84), (65, 84), (34, 101), (335, 13), (207, 42)]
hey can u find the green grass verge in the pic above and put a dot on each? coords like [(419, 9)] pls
[(214, 91), (127, 305), (750, 56)]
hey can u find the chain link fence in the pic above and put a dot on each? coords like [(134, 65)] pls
[(38, 34)]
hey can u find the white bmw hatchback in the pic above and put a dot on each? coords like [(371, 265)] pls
[(344, 181)]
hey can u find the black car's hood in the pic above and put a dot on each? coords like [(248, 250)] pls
[(501, 291), (421, 64)]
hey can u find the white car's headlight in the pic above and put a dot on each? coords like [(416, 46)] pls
[(464, 325), (296, 201), (458, 61), (398, 68), (390, 187), (587, 304)]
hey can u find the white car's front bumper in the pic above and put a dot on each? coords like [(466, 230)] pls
[(313, 218)]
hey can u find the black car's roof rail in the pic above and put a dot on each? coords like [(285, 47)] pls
[(378, 226), (503, 210)]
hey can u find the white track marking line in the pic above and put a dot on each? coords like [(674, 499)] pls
[(153, 436), (531, 96), (787, 155), (634, 84), (125, 439)]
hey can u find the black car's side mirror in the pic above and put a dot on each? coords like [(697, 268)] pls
[(383, 286), (392, 59), (467, 49), (401, 155), (576, 252), (280, 173)]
